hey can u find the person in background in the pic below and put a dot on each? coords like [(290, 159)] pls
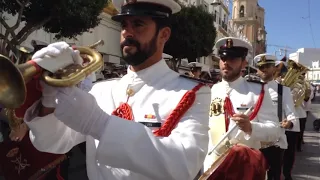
[(303, 110), (195, 69), (286, 144), (230, 98)]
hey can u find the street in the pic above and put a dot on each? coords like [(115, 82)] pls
[(307, 162)]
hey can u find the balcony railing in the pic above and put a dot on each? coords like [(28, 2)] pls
[(224, 26)]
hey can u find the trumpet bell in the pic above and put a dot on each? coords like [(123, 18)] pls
[(12, 86), (13, 78)]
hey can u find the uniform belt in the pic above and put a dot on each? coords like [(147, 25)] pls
[(269, 144)]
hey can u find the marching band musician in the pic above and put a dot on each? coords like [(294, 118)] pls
[(273, 151), (195, 69), (303, 111), (235, 95), (150, 124)]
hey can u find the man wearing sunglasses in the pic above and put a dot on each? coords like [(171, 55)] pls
[(195, 69), (234, 95), (283, 102)]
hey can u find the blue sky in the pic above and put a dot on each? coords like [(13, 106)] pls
[(287, 23)]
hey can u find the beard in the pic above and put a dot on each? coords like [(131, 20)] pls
[(265, 76), (232, 75), (141, 55)]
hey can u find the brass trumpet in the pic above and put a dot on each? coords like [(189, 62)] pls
[(13, 78)]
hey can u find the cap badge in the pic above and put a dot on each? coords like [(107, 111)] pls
[(130, 1), (263, 59), (229, 43)]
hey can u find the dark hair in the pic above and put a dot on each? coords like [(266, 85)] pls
[(162, 23), (195, 69)]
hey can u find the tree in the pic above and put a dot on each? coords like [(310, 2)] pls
[(193, 35), (65, 18)]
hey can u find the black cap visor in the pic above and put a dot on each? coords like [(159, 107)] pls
[(143, 9), (234, 52), (268, 61)]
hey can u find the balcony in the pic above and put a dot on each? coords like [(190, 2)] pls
[(223, 28)]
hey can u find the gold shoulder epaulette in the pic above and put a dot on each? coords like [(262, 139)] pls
[(254, 80), (197, 80)]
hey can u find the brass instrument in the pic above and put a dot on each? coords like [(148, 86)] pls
[(13, 79), (295, 70), (294, 79)]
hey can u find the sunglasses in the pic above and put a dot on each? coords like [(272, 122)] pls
[(265, 66), (230, 58)]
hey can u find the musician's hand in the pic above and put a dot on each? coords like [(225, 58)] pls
[(243, 122), (80, 111), (56, 56), (18, 133), (286, 124), (49, 93)]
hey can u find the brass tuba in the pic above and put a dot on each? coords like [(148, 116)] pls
[(13, 79), (294, 79)]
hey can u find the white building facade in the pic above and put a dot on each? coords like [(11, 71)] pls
[(107, 30), (309, 57), (220, 12)]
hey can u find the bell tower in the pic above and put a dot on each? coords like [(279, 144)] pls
[(248, 15)]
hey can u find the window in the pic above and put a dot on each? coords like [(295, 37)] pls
[(205, 6), (241, 12), (215, 16)]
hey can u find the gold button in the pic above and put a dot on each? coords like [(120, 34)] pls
[(130, 92)]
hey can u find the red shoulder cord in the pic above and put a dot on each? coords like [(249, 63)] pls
[(124, 111), (229, 111)]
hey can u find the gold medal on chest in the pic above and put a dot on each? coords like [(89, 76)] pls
[(216, 107)]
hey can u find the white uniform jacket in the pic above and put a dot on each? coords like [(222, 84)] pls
[(128, 150), (305, 106), (265, 126), (288, 110)]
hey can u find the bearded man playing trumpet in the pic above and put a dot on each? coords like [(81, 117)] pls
[(229, 100), (150, 124)]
